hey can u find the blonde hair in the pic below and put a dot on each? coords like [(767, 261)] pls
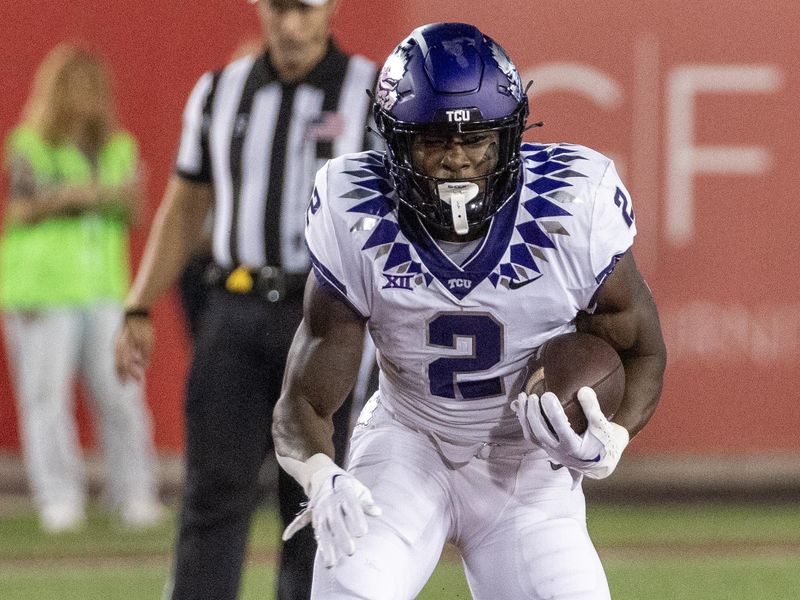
[(47, 109)]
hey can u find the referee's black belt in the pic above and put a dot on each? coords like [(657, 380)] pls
[(272, 284)]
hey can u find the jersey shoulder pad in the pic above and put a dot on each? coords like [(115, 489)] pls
[(564, 161), (358, 186), (350, 212)]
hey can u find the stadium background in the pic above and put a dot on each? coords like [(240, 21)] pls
[(697, 103)]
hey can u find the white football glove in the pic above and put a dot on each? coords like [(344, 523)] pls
[(337, 507), (594, 454)]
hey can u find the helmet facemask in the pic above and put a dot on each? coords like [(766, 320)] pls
[(453, 205)]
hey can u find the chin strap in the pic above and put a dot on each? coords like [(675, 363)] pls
[(457, 194)]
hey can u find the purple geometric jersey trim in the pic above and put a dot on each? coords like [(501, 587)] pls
[(556, 168)]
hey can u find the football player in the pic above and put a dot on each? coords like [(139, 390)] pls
[(462, 249)]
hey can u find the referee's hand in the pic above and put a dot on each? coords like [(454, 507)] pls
[(134, 345)]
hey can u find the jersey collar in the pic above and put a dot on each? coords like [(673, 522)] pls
[(461, 280)]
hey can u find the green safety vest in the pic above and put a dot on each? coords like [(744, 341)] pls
[(66, 261)]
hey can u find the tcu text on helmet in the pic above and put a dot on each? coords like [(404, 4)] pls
[(459, 115)]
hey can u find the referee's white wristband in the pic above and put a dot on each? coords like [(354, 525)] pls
[(303, 471)]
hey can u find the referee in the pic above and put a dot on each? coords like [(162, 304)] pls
[(253, 136)]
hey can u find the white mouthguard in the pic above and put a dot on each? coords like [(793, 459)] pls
[(457, 194)]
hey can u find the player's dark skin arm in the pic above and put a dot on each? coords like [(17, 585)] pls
[(321, 370), (627, 318)]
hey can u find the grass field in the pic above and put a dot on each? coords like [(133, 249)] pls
[(687, 552)]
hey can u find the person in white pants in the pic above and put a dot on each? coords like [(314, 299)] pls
[(47, 349)]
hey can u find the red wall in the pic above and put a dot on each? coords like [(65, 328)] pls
[(696, 102)]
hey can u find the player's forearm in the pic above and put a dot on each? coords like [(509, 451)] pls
[(644, 360), (299, 432), (321, 369), (302, 422), (643, 381)]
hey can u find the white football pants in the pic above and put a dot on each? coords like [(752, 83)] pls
[(519, 526), (47, 349)]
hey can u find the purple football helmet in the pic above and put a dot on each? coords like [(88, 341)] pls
[(449, 78)]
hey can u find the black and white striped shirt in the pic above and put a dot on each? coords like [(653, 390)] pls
[(260, 142)]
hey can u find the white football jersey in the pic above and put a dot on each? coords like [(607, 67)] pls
[(453, 340)]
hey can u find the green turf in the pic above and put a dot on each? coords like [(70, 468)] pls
[(705, 578), (691, 552), (89, 583), (703, 523), (696, 579), (146, 582), (20, 538)]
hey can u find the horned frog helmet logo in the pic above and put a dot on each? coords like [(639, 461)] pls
[(455, 48), (508, 69), (393, 70)]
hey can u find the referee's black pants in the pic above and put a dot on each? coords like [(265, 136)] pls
[(234, 383)]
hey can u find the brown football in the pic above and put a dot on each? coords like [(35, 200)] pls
[(566, 363)]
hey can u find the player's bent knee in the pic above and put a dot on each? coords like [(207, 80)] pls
[(354, 577), (380, 569)]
